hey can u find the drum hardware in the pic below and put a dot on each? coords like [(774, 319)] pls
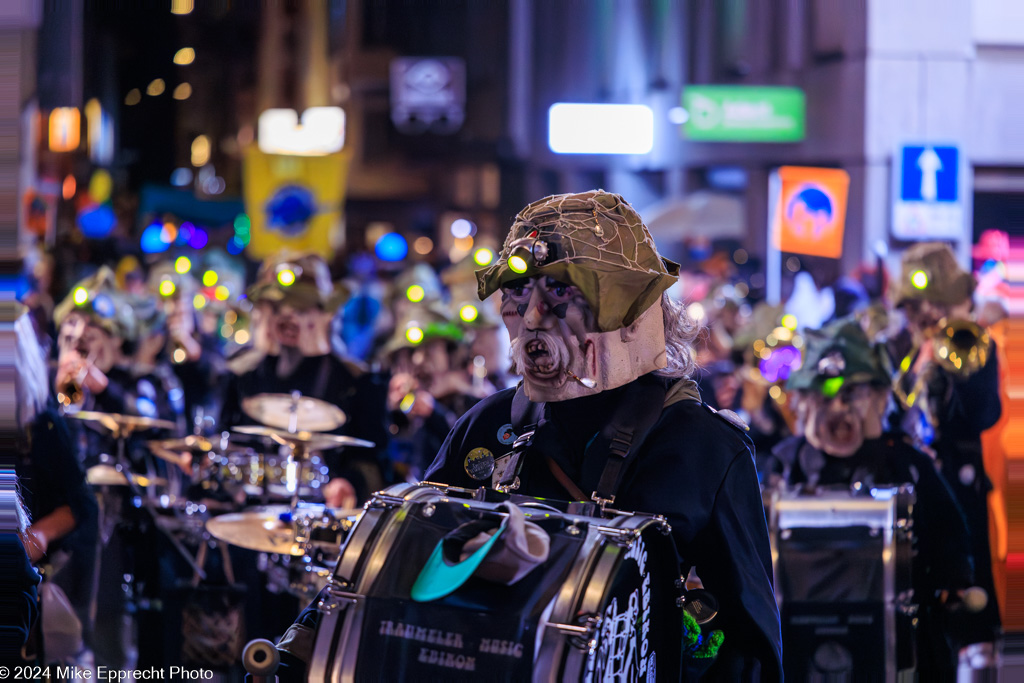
[(580, 636)]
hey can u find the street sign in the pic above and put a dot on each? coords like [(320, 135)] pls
[(739, 113), (808, 209), (928, 199)]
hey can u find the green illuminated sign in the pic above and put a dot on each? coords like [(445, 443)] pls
[(738, 113)]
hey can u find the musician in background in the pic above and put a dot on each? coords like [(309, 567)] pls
[(606, 359), (948, 410), (842, 392), (293, 303)]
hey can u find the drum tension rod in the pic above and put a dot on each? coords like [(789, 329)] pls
[(581, 636)]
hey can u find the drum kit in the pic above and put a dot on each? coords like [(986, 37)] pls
[(196, 495)]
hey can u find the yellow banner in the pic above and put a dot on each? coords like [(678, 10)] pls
[(295, 202)]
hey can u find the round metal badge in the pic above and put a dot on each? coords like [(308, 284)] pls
[(479, 464), (506, 435)]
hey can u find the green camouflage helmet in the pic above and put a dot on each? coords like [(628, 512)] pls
[(302, 281), (929, 272), (97, 298), (593, 240), (839, 354)]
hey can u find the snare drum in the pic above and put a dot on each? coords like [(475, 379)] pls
[(602, 607)]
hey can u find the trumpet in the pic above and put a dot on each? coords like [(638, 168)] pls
[(961, 347)]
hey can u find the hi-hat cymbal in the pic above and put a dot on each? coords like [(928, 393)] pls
[(309, 442), (108, 475), (116, 422), (311, 414), (268, 529)]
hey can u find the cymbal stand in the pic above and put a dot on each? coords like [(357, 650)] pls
[(121, 434), (296, 452)]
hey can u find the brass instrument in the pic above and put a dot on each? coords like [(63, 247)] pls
[(960, 346)]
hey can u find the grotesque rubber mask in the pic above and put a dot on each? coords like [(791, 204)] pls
[(559, 350), (839, 425)]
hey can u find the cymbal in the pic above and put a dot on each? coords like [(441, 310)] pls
[(116, 422), (309, 442), (108, 475), (267, 529), (312, 414)]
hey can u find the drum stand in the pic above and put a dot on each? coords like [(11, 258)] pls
[(121, 434)]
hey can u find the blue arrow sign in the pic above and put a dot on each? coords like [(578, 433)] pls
[(929, 173)]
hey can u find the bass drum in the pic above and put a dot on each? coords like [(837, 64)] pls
[(602, 607)]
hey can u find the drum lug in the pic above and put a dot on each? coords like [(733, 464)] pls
[(335, 598), (623, 537), (581, 636)]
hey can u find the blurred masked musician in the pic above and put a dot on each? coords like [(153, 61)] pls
[(195, 358), (842, 393), (293, 302), (421, 391), (605, 355), (948, 384), (98, 365)]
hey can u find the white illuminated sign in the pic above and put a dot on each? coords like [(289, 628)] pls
[(322, 131), (600, 128)]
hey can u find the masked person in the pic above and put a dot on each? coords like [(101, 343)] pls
[(842, 392), (949, 388), (294, 301), (605, 354)]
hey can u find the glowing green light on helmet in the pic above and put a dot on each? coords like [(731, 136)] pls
[(415, 294), (81, 295), (831, 386), (468, 313), (919, 279), (517, 264)]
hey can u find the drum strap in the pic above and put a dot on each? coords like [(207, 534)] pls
[(619, 441), (621, 438)]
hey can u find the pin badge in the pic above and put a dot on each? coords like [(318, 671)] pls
[(479, 463), (506, 435)]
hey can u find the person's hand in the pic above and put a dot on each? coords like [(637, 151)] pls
[(72, 369), (181, 328), (400, 386), (339, 493), (314, 332)]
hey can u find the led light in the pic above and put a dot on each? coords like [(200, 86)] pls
[(200, 151), (230, 317), (696, 311), (789, 321), (517, 264), (81, 296), (184, 56), (226, 330), (199, 301), (182, 265), (65, 129), (423, 245), (182, 91), (179, 355), (221, 293), (69, 188), (468, 313), (210, 278), (156, 87), (414, 335), (286, 277), (600, 128), (415, 294), (391, 247), (775, 392), (182, 6), (462, 228), (919, 279), (242, 337), (167, 288), (133, 97), (407, 401), (483, 256), (831, 386), (321, 131)]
